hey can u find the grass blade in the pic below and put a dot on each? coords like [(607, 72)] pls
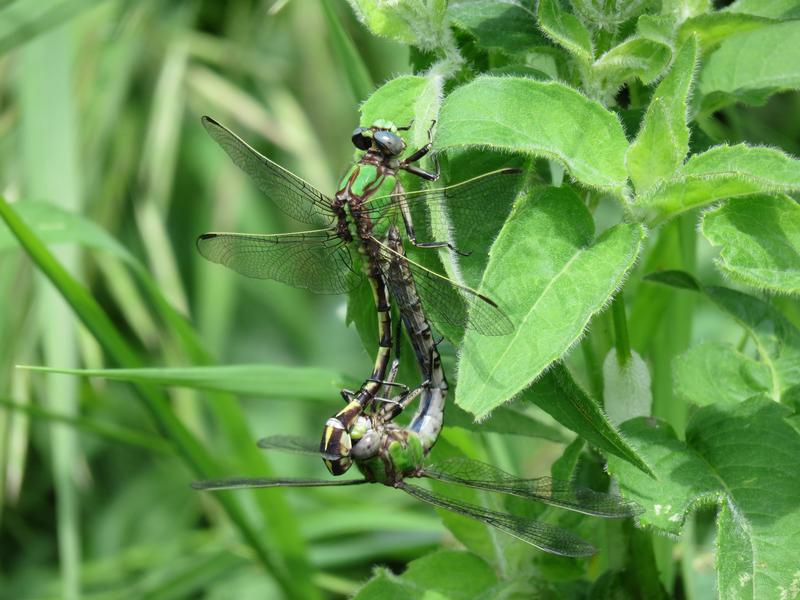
[(201, 463)]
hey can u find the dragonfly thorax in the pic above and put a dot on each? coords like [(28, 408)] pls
[(399, 455)]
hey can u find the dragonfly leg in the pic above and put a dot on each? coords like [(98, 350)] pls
[(408, 222), (348, 395), (390, 380), (394, 406), (419, 154)]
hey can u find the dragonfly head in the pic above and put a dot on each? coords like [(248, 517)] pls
[(335, 447), (381, 137)]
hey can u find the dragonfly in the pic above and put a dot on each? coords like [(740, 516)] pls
[(320, 260), (389, 454), (369, 194), (400, 456)]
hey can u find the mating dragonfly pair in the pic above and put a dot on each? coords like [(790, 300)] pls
[(363, 216)]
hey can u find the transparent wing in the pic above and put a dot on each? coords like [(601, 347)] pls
[(444, 300), (295, 197), (471, 203), (314, 260), (240, 483), (290, 443), (564, 494), (542, 535)]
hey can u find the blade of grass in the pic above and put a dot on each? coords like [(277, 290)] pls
[(24, 20), (49, 135), (97, 321), (350, 61), (109, 431)]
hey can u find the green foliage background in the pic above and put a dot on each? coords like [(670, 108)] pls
[(650, 265)]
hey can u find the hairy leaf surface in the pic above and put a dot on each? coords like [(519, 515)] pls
[(550, 275)]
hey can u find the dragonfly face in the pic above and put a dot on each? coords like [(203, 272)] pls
[(335, 447), (381, 137)]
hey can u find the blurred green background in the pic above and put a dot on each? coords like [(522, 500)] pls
[(100, 106)]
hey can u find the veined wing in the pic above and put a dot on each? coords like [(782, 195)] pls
[(542, 535), (314, 260), (446, 301), (240, 483), (290, 443), (564, 494), (297, 198), (471, 203)]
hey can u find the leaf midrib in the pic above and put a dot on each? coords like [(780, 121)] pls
[(519, 328)]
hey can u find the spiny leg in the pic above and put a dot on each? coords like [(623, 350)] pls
[(407, 220)]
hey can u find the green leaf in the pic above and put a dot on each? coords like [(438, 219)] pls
[(451, 574), (505, 25), (742, 457), (663, 140), (504, 420), (678, 279), (402, 100), (565, 29), (264, 381), (773, 9), (416, 22), (627, 388), (752, 65), (760, 240), (54, 225), (550, 274), (637, 56), (558, 394), (713, 28), (542, 119), (723, 172), (384, 585), (777, 339), (717, 373)]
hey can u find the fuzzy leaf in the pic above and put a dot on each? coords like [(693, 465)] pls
[(713, 28), (543, 119), (416, 22), (506, 25), (550, 274), (557, 394), (402, 100), (773, 9), (742, 457), (565, 29), (635, 57), (451, 574), (716, 373), (723, 172), (751, 65), (663, 140), (776, 338), (760, 240)]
